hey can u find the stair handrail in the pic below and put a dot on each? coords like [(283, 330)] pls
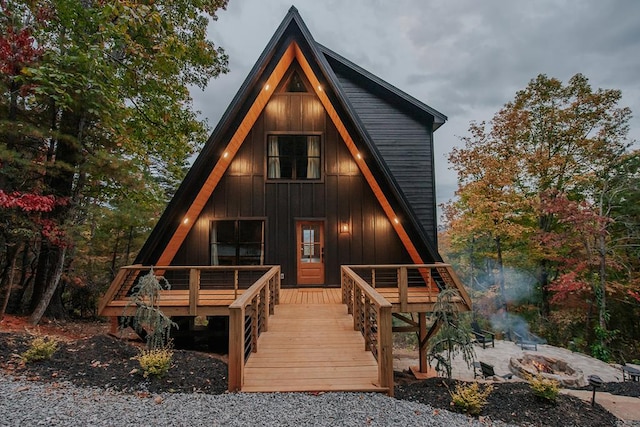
[(372, 317), (262, 297)]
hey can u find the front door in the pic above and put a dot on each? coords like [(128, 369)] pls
[(310, 252)]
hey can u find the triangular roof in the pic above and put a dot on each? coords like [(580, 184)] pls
[(293, 41)]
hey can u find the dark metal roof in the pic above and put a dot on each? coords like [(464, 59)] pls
[(293, 28), (379, 85)]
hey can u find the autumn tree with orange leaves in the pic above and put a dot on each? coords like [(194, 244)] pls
[(541, 188)]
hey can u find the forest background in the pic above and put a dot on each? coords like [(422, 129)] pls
[(97, 128)]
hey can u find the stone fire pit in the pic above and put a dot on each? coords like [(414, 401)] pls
[(548, 367)]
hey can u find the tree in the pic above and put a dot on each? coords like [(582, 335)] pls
[(542, 180), (489, 210), (453, 336), (103, 101)]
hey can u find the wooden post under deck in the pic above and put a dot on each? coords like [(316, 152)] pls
[(422, 344)]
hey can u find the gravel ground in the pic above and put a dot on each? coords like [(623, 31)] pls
[(34, 403)]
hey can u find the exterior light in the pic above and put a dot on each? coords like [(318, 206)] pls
[(266, 87), (320, 88), (185, 220), (226, 154), (344, 227), (359, 156), (396, 220)]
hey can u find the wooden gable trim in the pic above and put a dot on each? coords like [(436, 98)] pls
[(357, 157), (292, 52), (225, 160)]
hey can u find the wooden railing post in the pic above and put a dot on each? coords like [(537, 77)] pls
[(194, 291), (235, 284), (403, 288), (357, 309), (343, 290), (236, 348), (385, 348)]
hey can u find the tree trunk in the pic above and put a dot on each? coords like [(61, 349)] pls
[(503, 293), (13, 256), (42, 274), (602, 301), (35, 317), (126, 262), (545, 295), (29, 268), (114, 257)]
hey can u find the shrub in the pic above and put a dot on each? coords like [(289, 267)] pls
[(148, 316), (470, 398), (155, 362), (545, 388), (41, 348)]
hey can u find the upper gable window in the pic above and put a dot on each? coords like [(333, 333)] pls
[(296, 84), (293, 157)]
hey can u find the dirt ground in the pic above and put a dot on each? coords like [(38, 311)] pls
[(87, 356)]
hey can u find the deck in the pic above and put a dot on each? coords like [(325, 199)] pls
[(301, 339), (311, 346)]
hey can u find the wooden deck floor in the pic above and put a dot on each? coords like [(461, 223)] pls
[(310, 296), (311, 347)]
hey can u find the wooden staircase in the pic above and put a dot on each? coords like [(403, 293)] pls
[(311, 347)]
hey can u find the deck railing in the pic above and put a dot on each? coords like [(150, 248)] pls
[(435, 277), (185, 280), (372, 317), (248, 318)]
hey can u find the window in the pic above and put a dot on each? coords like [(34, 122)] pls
[(294, 157), (295, 83), (237, 242)]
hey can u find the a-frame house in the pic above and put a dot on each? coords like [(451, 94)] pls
[(315, 166)]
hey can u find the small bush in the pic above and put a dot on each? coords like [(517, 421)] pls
[(41, 348), (545, 388), (470, 398), (155, 362)]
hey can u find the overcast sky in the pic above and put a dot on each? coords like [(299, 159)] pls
[(465, 58)]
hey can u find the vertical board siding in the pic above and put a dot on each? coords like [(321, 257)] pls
[(342, 195), (405, 145)]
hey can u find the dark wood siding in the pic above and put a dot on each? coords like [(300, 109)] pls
[(341, 195), (405, 145)]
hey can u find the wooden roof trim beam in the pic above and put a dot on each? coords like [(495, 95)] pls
[(366, 172), (223, 163)]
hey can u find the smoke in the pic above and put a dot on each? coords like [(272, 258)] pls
[(509, 323), (519, 284)]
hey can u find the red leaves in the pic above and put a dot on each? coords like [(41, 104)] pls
[(35, 203), (29, 202), (17, 50), (566, 285)]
